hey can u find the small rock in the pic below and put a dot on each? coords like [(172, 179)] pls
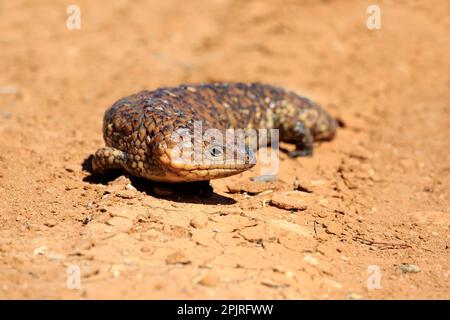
[(117, 185), (291, 227), (130, 187), (70, 168), (177, 257), (272, 284), (264, 178), (116, 269), (40, 251), (279, 269), (55, 256), (310, 260), (290, 274), (300, 187), (198, 222), (178, 232), (232, 188), (252, 188), (332, 283), (354, 296), (126, 194), (229, 211), (317, 183), (409, 268), (50, 223), (102, 209), (407, 164), (209, 280), (332, 228), (287, 202), (322, 214), (146, 249)]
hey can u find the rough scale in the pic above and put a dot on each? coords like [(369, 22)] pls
[(138, 129)]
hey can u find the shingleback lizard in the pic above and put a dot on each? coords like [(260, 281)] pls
[(138, 129)]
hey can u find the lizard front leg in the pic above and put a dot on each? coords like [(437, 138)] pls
[(108, 158), (303, 139)]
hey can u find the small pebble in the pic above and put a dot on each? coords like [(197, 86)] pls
[(125, 194), (40, 250), (55, 256), (177, 257), (50, 223), (284, 201), (354, 296), (310, 260), (116, 269), (264, 178), (409, 268), (209, 280), (298, 186), (145, 249), (290, 274), (272, 284), (251, 188), (198, 222), (130, 187), (279, 269), (70, 168), (332, 283)]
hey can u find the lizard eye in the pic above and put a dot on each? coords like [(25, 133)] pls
[(216, 151)]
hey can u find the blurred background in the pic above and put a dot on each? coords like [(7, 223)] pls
[(389, 166)]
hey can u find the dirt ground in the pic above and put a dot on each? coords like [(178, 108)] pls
[(377, 197)]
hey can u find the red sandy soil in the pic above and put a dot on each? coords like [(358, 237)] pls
[(380, 190)]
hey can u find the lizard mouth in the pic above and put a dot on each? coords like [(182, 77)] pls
[(207, 167), (211, 165), (208, 173), (216, 173)]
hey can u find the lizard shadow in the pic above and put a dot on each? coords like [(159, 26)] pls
[(200, 192)]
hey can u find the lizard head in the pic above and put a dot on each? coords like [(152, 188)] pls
[(196, 158)]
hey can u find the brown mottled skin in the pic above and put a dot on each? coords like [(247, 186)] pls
[(138, 129)]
